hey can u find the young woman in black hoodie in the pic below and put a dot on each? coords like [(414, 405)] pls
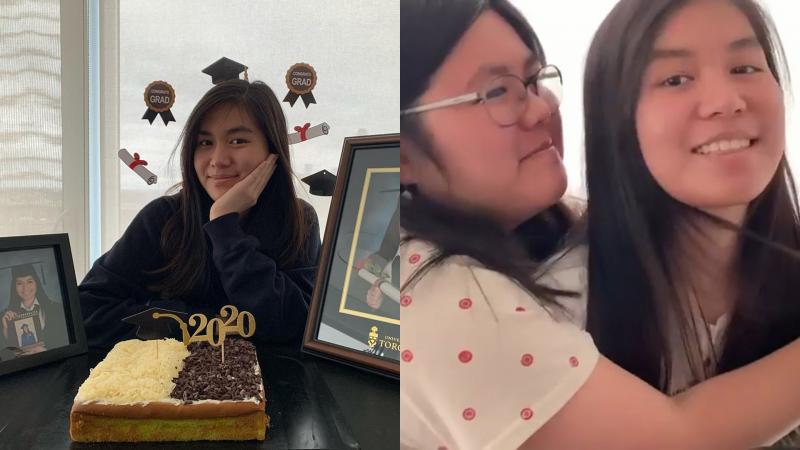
[(235, 233)]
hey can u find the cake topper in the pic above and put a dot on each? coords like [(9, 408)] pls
[(215, 329), (150, 328)]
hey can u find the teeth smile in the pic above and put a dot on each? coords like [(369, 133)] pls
[(724, 146)]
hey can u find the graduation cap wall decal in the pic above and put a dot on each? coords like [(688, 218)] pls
[(152, 328), (321, 183), (225, 69)]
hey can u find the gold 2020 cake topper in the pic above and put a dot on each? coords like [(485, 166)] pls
[(215, 329)]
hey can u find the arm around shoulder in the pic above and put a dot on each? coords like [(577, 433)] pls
[(487, 368), (745, 408)]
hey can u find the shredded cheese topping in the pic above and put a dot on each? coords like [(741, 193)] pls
[(131, 373)]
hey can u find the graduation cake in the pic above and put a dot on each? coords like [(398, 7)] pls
[(167, 390)]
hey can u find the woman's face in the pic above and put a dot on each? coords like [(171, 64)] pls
[(228, 147), (710, 118), (508, 173), (26, 288)]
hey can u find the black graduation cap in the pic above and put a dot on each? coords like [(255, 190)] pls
[(19, 270), (152, 328), (225, 69), (322, 183)]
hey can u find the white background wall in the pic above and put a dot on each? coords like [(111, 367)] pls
[(566, 28), (353, 46)]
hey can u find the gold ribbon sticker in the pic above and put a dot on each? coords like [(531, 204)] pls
[(301, 79), (159, 97)]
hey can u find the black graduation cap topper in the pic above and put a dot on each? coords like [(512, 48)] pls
[(152, 328), (321, 183), (225, 69)]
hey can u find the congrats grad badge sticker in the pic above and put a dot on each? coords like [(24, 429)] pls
[(159, 97), (301, 79)]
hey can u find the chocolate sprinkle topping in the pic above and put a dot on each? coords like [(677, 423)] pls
[(204, 377)]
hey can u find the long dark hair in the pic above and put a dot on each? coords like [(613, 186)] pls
[(635, 286), (25, 270), (429, 30), (182, 239)]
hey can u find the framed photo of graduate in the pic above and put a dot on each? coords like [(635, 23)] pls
[(355, 311), (40, 317)]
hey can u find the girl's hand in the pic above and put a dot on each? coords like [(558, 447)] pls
[(9, 316), (244, 194)]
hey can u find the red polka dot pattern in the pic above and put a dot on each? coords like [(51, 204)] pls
[(458, 358), (526, 414), (526, 360), (468, 414)]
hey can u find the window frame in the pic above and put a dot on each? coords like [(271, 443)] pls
[(74, 131)]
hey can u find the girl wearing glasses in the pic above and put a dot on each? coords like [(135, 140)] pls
[(490, 358)]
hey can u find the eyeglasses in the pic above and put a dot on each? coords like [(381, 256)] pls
[(506, 97)]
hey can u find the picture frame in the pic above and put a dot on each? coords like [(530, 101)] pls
[(354, 317), (40, 316)]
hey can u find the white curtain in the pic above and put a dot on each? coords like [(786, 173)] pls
[(31, 197)]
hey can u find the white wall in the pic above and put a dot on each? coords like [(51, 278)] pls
[(566, 28)]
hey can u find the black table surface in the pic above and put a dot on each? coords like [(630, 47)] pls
[(312, 403)]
